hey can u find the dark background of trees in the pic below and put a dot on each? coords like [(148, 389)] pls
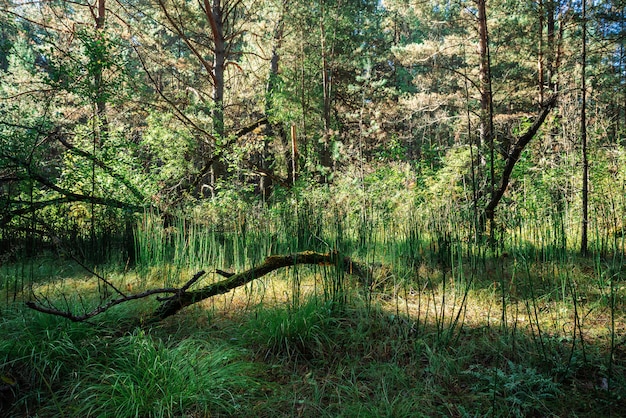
[(111, 108)]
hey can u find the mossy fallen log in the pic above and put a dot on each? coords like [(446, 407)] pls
[(172, 304), (182, 297)]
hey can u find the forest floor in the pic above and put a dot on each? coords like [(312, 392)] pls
[(285, 345)]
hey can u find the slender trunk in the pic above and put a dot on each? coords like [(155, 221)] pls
[(622, 79), (303, 97), (583, 134), (267, 160), (474, 159), (219, 63), (325, 157), (540, 63), (99, 126), (98, 77), (486, 105), (551, 47), (214, 15)]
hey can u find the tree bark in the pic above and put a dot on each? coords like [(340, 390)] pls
[(99, 17), (325, 152), (267, 160), (513, 157), (540, 59), (180, 300), (583, 134), (551, 47), (486, 101)]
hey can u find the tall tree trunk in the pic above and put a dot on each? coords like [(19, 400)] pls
[(486, 99), (325, 155), (99, 122), (583, 133), (540, 59), (219, 63), (100, 15), (272, 129), (214, 15), (551, 46)]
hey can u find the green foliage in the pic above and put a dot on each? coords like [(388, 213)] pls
[(299, 331), (144, 377), (517, 391), (65, 369), (166, 150)]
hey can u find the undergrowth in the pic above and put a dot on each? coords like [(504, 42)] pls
[(444, 324)]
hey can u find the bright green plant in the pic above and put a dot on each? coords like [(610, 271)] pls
[(147, 377)]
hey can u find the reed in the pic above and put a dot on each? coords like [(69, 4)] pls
[(522, 323)]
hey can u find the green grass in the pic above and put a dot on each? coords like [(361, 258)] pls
[(448, 325)]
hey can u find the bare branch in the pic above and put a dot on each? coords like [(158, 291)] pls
[(271, 263), (512, 158), (51, 310)]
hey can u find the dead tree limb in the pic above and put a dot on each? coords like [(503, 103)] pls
[(52, 310), (515, 154), (180, 297), (183, 299)]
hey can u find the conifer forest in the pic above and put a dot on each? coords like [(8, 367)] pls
[(326, 208)]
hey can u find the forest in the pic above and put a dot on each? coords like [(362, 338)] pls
[(326, 208)]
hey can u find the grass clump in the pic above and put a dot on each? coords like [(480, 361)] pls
[(304, 330), (145, 377), (58, 368)]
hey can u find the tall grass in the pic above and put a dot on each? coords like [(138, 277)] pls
[(519, 326), (64, 369)]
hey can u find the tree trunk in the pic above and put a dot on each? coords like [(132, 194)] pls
[(513, 157), (215, 17), (583, 134), (219, 62), (551, 47), (540, 60), (267, 160), (486, 99), (98, 81), (325, 154)]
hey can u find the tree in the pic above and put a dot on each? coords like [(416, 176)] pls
[(486, 100), (583, 132)]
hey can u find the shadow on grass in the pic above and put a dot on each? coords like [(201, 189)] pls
[(493, 336)]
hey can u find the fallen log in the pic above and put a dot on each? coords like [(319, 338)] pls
[(182, 297), (171, 305)]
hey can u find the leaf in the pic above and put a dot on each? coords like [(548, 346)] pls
[(9, 381)]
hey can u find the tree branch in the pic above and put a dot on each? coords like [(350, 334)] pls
[(183, 299), (138, 195), (51, 310), (71, 196), (513, 157)]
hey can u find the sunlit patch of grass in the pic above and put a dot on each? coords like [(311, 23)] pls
[(69, 369)]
